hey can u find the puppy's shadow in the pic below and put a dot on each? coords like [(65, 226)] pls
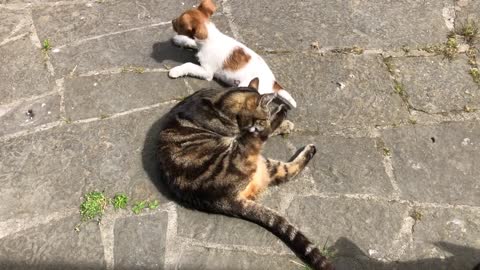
[(165, 52)]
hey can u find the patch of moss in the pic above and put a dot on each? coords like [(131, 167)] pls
[(469, 31), (475, 73), (120, 201), (93, 205)]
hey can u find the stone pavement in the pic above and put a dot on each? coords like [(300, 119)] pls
[(395, 183)]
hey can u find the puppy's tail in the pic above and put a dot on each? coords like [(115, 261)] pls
[(279, 226)]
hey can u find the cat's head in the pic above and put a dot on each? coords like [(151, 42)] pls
[(251, 110), (192, 23)]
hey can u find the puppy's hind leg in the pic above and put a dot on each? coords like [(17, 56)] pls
[(184, 41)]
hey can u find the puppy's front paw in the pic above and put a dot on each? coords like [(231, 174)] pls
[(175, 72), (184, 41)]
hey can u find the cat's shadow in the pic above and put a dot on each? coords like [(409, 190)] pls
[(150, 159)]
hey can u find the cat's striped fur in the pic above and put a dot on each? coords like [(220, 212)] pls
[(210, 148)]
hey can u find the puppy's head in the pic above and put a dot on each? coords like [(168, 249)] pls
[(192, 23)]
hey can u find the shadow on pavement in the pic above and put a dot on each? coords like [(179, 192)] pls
[(165, 50), (150, 160), (350, 257)]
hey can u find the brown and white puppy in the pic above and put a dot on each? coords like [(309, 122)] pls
[(221, 56)]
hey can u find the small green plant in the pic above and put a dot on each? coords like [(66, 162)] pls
[(139, 206), (386, 152), (153, 204), (120, 201), (416, 215), (93, 205), (412, 121), (475, 73), (399, 89), (451, 46), (46, 45), (469, 31), (67, 120), (104, 116)]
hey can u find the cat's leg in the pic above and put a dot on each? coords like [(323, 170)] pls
[(281, 172), (184, 41), (279, 125), (192, 70)]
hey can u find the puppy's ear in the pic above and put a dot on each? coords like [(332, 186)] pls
[(254, 84), (207, 7)]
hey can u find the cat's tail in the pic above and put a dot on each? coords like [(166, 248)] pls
[(279, 226)]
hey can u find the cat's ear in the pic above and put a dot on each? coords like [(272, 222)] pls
[(254, 83), (207, 7), (266, 99)]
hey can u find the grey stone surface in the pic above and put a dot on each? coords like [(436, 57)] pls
[(451, 233), (13, 23), (140, 241), (224, 230), (437, 163), (342, 165), (210, 259), (23, 72), (55, 168), (375, 24), (103, 95), (437, 85), (334, 92), (54, 246), (15, 118), (64, 24), (110, 61), (324, 219)]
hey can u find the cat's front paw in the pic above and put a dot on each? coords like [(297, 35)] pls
[(175, 72), (310, 151)]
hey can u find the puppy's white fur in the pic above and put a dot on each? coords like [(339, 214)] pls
[(215, 50)]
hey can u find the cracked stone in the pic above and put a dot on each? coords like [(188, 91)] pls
[(433, 163), (341, 165), (451, 234), (140, 241), (63, 24), (54, 246), (146, 48), (103, 95), (54, 168), (200, 258), (14, 22), (23, 75), (372, 24), (331, 218), (45, 110), (225, 230), (366, 100), (437, 85)]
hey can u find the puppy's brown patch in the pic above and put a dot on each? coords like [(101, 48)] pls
[(192, 24), (237, 60)]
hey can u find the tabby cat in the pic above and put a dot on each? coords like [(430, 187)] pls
[(210, 147)]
